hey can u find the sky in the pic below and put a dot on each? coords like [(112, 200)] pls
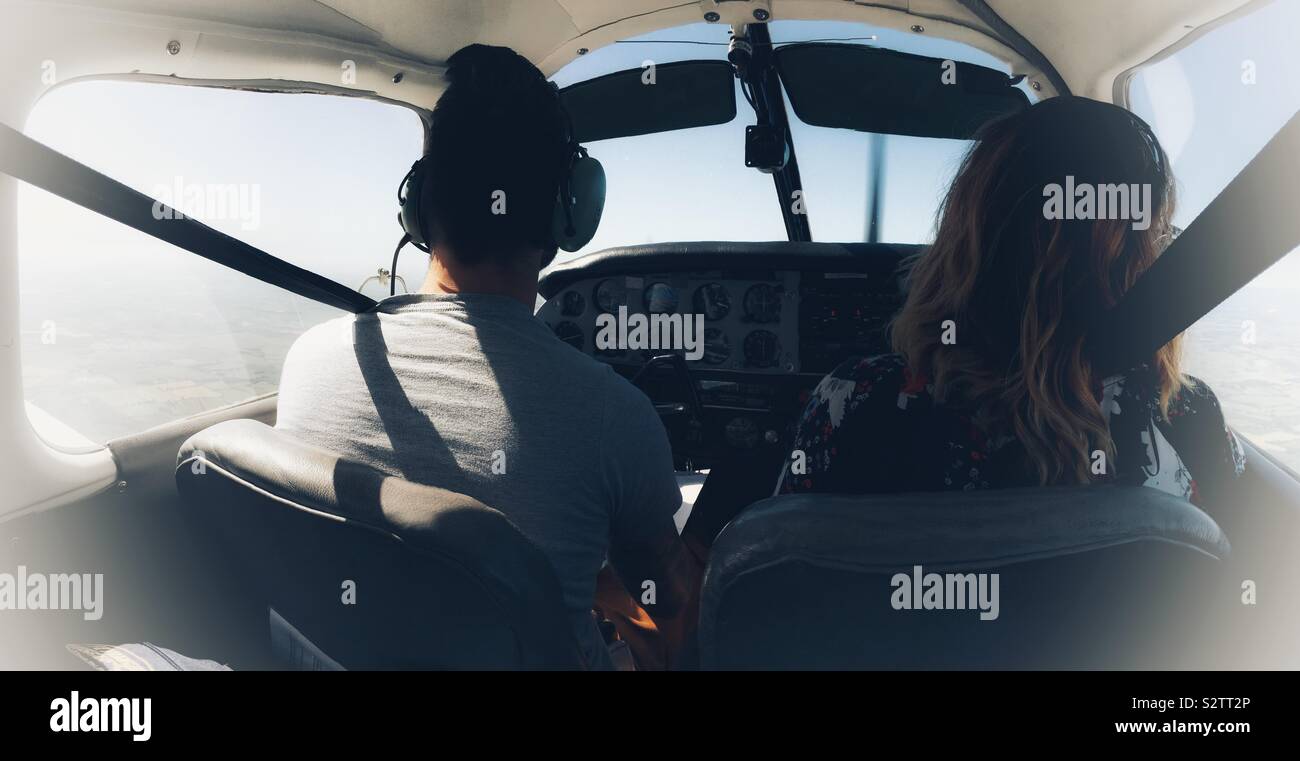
[(317, 177), (1211, 122), (325, 169)]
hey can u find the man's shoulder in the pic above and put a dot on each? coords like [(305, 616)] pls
[(616, 400), (323, 341), (614, 389), (570, 361)]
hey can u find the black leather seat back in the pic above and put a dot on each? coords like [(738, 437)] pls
[(374, 571), (1087, 577)]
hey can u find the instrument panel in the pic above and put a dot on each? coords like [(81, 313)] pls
[(765, 321), (721, 321), (755, 339)]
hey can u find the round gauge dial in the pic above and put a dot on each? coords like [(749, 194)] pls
[(761, 349), (571, 334), (572, 304), (712, 301), (609, 294), (660, 298), (762, 303), (717, 347)]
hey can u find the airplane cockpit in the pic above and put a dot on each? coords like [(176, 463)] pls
[(771, 169)]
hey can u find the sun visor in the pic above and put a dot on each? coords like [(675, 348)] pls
[(651, 99), (869, 89)]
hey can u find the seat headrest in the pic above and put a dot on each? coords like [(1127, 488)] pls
[(806, 580), (307, 475), (279, 501), (965, 529)]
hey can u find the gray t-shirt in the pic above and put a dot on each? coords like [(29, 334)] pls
[(474, 394)]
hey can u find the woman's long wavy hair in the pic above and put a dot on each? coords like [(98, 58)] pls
[(1021, 286)]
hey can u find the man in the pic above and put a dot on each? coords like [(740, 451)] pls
[(460, 386)]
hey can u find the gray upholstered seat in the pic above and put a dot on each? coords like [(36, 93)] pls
[(439, 579), (1100, 576)]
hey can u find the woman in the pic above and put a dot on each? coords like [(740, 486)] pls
[(991, 385)]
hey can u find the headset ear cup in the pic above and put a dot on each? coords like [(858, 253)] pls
[(574, 227), (411, 216)]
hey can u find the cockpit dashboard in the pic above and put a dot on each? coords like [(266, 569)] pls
[(756, 326)]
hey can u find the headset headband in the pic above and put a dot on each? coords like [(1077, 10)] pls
[(579, 197)]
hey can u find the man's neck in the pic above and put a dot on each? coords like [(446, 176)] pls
[(516, 280)]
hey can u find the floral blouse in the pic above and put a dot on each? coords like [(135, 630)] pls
[(873, 426)]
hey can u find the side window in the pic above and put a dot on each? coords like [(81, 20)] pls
[(1214, 104), (122, 332)]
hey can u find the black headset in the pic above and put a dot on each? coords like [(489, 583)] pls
[(579, 202)]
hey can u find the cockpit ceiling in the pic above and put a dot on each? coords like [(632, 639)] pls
[(1090, 43)]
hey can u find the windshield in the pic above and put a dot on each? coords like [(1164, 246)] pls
[(837, 166), (693, 184), (676, 186)]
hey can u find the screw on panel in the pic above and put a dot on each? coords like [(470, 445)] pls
[(397, 78), (918, 28), (174, 47), (712, 17), (761, 14), (1035, 84), (583, 51)]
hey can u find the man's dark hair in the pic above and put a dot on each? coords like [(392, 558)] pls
[(498, 126)]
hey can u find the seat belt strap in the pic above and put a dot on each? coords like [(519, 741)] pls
[(37, 164), (1246, 229)]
